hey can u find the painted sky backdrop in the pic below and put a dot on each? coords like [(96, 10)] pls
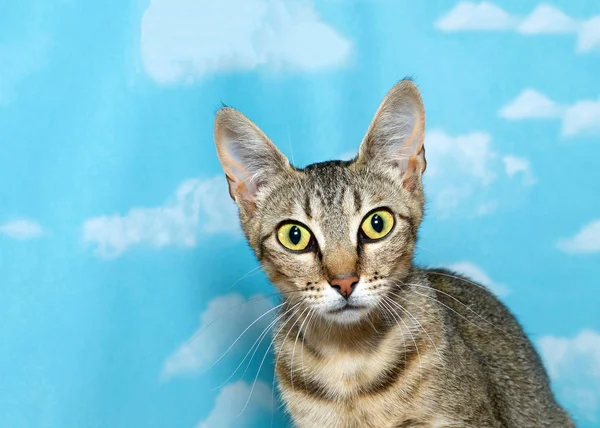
[(123, 273)]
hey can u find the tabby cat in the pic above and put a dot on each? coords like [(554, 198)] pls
[(365, 338)]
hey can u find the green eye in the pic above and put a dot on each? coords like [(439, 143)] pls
[(293, 236), (377, 224)]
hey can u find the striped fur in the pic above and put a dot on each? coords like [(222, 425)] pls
[(425, 348)]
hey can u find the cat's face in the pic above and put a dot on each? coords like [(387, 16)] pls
[(334, 237)]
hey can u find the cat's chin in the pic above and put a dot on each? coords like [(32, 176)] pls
[(347, 315)]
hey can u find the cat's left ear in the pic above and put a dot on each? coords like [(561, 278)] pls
[(395, 137), (250, 160)]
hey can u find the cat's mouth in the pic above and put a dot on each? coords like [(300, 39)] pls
[(347, 308)]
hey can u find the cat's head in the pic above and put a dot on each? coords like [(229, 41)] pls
[(334, 237)]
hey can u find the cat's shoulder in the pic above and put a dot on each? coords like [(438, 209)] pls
[(465, 295)]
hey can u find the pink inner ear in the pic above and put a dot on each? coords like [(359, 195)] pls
[(413, 141), (411, 177), (411, 148), (239, 192), (241, 180)]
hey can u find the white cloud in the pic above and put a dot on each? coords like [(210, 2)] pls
[(458, 169), (486, 208), (531, 104), (563, 354), (544, 19), (471, 270), (574, 366), (475, 16), (233, 398), (589, 36), (582, 117), (225, 318), (448, 198), (186, 40), (471, 153), (21, 229), (587, 240), (197, 207), (514, 165)]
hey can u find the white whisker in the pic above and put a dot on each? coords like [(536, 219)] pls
[(456, 300), (411, 336), (243, 332), (256, 344)]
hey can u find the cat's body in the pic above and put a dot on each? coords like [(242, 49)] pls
[(366, 339), (468, 374)]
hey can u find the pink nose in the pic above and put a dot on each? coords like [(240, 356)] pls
[(345, 284)]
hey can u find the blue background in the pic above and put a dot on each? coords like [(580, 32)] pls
[(119, 243)]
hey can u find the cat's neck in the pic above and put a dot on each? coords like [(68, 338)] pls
[(324, 335)]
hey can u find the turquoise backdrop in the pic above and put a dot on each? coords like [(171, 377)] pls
[(119, 245)]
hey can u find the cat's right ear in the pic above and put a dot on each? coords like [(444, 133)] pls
[(250, 160)]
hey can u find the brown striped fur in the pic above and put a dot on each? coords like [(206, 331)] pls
[(423, 348)]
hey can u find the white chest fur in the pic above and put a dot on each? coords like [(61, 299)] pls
[(349, 384)]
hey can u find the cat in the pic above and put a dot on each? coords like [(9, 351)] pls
[(365, 338)]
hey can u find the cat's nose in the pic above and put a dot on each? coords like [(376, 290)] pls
[(345, 284)]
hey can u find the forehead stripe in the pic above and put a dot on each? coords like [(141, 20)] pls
[(306, 206), (357, 200)]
